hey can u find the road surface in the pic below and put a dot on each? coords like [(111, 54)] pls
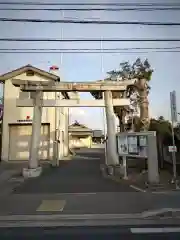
[(80, 175), (77, 187), (127, 232)]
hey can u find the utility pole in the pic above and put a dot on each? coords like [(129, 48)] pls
[(173, 120)]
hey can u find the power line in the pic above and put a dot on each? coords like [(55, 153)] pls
[(90, 40), (87, 4), (89, 49), (95, 9), (90, 22), (90, 52)]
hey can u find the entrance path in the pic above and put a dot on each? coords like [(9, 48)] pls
[(80, 175)]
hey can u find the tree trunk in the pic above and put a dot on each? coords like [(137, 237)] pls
[(121, 125), (144, 105), (121, 117), (136, 124), (119, 111)]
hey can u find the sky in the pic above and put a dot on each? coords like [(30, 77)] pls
[(92, 67)]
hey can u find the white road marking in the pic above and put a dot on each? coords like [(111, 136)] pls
[(51, 206), (155, 230), (137, 188)]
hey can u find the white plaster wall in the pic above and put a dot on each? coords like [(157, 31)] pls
[(12, 113)]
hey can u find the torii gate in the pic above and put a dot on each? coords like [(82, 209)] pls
[(37, 102)]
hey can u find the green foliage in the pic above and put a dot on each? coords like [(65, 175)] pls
[(96, 95), (124, 73), (77, 124), (142, 69), (161, 118), (139, 69), (161, 126)]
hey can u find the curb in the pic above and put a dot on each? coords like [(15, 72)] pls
[(136, 219)]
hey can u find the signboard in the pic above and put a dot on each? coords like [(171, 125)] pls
[(172, 148), (123, 145), (132, 145), (24, 120), (173, 106)]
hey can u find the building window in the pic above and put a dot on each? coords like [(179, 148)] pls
[(29, 73)]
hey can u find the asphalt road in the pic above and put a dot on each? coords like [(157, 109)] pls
[(86, 233), (77, 187), (80, 175)]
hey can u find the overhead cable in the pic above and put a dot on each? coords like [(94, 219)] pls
[(89, 49), (145, 4), (90, 52), (33, 20), (90, 40), (94, 9)]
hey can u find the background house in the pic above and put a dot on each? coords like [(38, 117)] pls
[(98, 136), (80, 136), (17, 121)]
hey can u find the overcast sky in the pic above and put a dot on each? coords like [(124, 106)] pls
[(88, 67)]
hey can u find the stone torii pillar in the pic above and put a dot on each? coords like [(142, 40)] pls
[(112, 156), (34, 170), (66, 132)]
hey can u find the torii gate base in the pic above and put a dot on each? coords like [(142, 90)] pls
[(112, 157)]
